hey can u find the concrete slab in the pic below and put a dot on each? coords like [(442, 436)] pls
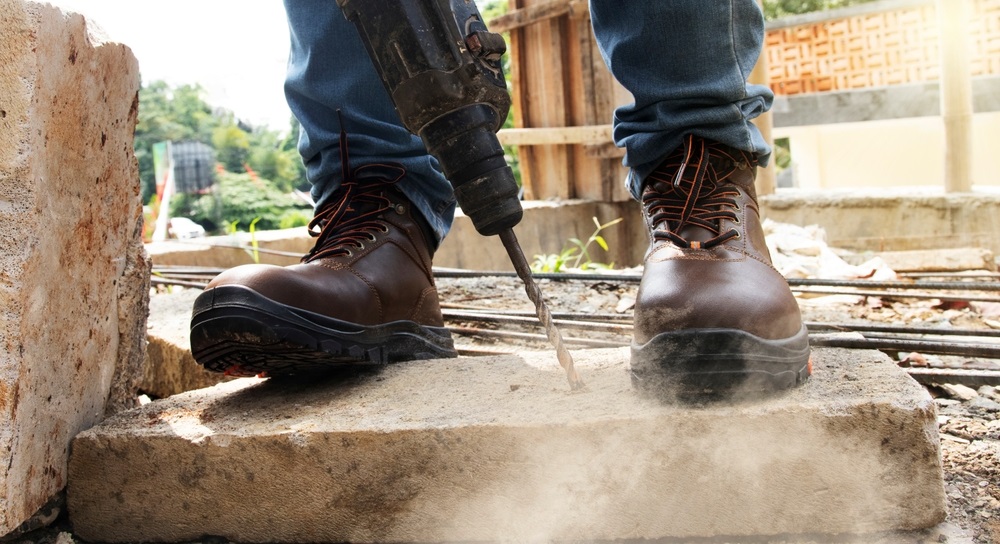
[(898, 219), (169, 367), (484, 449)]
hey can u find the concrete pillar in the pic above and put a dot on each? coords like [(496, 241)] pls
[(74, 277), (767, 178), (956, 93)]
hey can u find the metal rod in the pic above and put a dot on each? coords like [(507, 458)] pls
[(154, 280), (962, 349), (524, 320), (544, 315), (968, 378), (557, 276), (891, 294), (490, 333), (928, 331), (573, 316), (904, 285)]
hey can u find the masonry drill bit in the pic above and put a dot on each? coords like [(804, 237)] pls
[(544, 315)]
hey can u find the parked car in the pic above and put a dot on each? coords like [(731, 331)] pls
[(183, 228)]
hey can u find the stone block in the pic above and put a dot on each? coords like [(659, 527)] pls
[(498, 449), (74, 278), (169, 367)]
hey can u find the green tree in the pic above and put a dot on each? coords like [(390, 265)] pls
[(168, 114), (276, 158), (232, 146), (242, 198)]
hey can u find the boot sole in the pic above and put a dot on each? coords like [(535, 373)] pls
[(240, 332), (719, 361)]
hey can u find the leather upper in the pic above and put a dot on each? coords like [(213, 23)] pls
[(707, 266), (371, 272)]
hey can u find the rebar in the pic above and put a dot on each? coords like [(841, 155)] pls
[(962, 349), (492, 333), (602, 326)]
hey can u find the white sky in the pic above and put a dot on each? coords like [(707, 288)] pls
[(236, 49)]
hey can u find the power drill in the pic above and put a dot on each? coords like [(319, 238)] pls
[(442, 69)]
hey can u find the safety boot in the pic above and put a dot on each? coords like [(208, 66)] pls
[(712, 313), (364, 294)]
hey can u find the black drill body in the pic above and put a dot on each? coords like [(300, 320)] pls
[(442, 69)]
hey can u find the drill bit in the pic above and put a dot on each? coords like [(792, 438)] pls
[(544, 315)]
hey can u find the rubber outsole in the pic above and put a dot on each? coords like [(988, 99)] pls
[(722, 361), (240, 332)]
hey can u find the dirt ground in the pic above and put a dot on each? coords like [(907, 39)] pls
[(969, 420)]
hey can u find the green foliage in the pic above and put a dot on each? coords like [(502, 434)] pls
[(232, 146), (277, 158), (775, 9), (167, 114), (181, 113), (240, 199), (577, 252), (294, 219), (782, 154)]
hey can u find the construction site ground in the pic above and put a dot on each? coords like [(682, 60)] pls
[(969, 419)]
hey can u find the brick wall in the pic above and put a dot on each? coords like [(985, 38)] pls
[(873, 47)]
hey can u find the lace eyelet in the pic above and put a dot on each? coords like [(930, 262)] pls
[(348, 253), (361, 246), (400, 209), (385, 229), (372, 238)]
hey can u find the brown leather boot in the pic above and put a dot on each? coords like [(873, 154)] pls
[(712, 313), (364, 294)]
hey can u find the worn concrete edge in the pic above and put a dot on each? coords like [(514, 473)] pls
[(172, 409)]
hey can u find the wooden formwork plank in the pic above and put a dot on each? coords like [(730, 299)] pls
[(517, 18), (538, 53), (607, 94), (563, 94)]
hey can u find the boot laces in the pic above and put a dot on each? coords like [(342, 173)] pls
[(354, 216), (695, 195)]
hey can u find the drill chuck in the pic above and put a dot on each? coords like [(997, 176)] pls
[(472, 158)]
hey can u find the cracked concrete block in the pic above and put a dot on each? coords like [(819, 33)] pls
[(498, 449), (74, 276)]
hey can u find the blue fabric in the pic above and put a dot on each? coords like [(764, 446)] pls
[(329, 70), (685, 62)]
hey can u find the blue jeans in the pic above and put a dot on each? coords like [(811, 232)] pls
[(684, 61)]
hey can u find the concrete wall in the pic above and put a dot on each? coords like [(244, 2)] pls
[(885, 153), (884, 137)]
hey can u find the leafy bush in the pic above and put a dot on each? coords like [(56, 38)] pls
[(241, 199)]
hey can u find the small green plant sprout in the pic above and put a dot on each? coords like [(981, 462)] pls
[(254, 245), (254, 250), (576, 254)]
